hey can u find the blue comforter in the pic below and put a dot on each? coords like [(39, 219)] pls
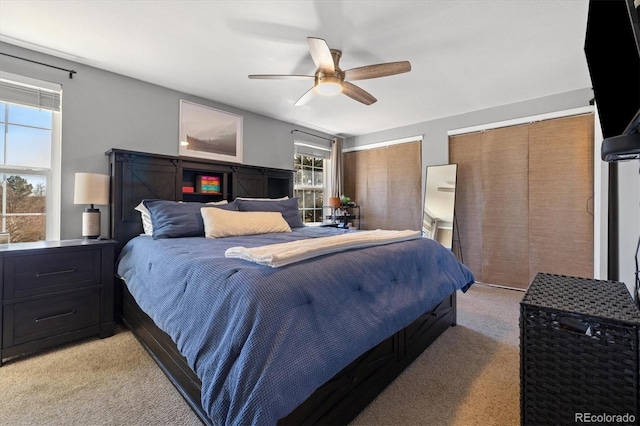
[(261, 339)]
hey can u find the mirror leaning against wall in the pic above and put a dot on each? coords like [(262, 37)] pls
[(439, 203)]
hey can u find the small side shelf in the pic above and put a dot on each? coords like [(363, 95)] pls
[(204, 185), (342, 217)]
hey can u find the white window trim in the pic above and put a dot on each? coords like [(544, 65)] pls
[(326, 170), (384, 144), (53, 176), (54, 190)]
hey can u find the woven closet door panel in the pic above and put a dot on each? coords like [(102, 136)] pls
[(374, 215), (350, 173), (386, 183), (358, 167), (505, 223), (404, 186), (561, 196), (466, 151)]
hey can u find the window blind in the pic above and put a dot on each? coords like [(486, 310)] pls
[(23, 94), (312, 150)]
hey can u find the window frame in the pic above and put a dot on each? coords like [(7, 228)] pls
[(52, 175), (317, 152)]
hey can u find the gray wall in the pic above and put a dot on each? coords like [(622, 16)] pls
[(435, 150), (629, 218), (435, 143), (103, 110)]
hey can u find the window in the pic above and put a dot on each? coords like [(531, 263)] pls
[(29, 159), (311, 165)]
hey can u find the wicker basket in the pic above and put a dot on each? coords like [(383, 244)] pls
[(579, 352)]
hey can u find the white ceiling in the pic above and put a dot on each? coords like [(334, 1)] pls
[(465, 55)]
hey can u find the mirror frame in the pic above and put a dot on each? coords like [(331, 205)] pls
[(445, 184)]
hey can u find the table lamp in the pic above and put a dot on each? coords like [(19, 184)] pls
[(334, 203), (91, 188)]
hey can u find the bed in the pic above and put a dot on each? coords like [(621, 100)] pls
[(310, 342)]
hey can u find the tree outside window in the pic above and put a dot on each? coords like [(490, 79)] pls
[(25, 204), (308, 187), (25, 144)]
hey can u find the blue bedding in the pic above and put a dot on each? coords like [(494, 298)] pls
[(261, 339)]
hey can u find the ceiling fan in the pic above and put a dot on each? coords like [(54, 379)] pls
[(329, 79)]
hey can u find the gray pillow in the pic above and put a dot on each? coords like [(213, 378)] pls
[(288, 208), (171, 219)]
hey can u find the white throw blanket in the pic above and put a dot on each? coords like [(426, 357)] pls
[(276, 255)]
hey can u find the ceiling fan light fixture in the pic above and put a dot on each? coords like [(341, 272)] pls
[(328, 85), (330, 80)]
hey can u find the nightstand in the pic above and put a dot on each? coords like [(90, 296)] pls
[(53, 292)]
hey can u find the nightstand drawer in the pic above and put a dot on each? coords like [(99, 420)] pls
[(31, 275), (50, 316)]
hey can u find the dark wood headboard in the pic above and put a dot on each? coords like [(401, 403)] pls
[(138, 175)]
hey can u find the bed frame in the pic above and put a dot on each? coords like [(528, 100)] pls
[(135, 176)]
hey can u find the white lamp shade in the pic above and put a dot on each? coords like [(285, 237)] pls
[(91, 188)]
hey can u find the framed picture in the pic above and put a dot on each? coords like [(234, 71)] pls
[(208, 184), (206, 132)]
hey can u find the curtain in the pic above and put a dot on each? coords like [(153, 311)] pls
[(337, 168)]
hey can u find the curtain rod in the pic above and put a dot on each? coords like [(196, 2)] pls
[(71, 72), (310, 134)]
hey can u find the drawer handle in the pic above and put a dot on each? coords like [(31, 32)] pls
[(56, 316), (45, 274)]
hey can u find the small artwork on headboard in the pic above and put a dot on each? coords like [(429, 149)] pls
[(206, 132), (208, 184)]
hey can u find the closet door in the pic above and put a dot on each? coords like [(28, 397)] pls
[(505, 222), (373, 199), (561, 196), (386, 183), (466, 151), (404, 186)]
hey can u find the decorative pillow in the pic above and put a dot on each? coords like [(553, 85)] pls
[(288, 208), (146, 219), (172, 219), (219, 223)]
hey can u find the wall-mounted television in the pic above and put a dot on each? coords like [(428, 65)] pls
[(612, 48)]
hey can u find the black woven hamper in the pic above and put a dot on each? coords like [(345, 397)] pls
[(579, 359)]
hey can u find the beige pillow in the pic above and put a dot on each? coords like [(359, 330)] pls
[(225, 223)]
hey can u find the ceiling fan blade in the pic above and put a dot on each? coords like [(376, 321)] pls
[(280, 77), (355, 92), (310, 94), (378, 70), (321, 54)]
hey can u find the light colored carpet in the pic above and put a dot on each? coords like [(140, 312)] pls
[(109, 381), (469, 376)]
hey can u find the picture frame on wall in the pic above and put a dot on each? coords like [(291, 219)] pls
[(210, 133)]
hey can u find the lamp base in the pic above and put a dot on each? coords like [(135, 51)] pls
[(91, 224)]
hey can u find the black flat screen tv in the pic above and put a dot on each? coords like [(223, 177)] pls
[(612, 48)]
